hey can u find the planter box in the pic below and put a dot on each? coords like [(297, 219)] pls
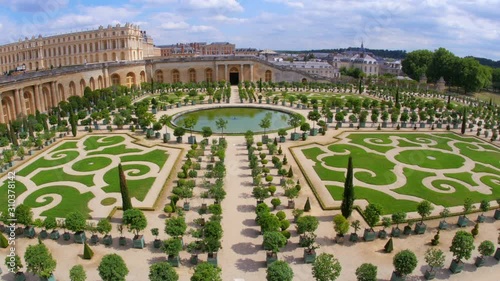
[(429, 275), (51, 278), (481, 218), (339, 125), (497, 254), (270, 258), (122, 241), (191, 139), (54, 235), (107, 240), (265, 139), (186, 206), (174, 261), (157, 243), (420, 228), (456, 267), (353, 237), (166, 137), (313, 132), (295, 136), (20, 276), (212, 259), (179, 139), (193, 259), (407, 230), (66, 236), (382, 234), (138, 242), (422, 125), (396, 232), (157, 135), (497, 214), (462, 221), (369, 235), (439, 126), (479, 261), (291, 204), (79, 237), (309, 256), (403, 125), (282, 139), (443, 225), (43, 234), (29, 232), (329, 120), (384, 124), (304, 136), (94, 239), (153, 110), (396, 277)]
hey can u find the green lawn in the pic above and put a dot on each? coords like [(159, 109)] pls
[(430, 159), (115, 150), (61, 158), (158, 157), (96, 142), (66, 145), (20, 189), (91, 164), (137, 188), (57, 175)]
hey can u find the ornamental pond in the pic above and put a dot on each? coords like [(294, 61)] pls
[(240, 119)]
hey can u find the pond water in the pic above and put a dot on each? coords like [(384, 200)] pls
[(239, 119)]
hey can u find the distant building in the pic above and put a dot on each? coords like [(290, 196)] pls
[(323, 69), (197, 49), (247, 52), (114, 43)]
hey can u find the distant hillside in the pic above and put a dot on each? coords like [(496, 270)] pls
[(393, 54), (488, 62)]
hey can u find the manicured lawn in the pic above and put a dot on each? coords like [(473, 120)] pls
[(20, 189), (66, 145), (60, 158), (57, 175), (96, 142), (115, 150), (158, 157), (91, 164), (72, 200), (430, 159), (465, 177), (137, 188), (389, 204)]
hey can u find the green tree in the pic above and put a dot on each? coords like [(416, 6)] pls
[(279, 271), (416, 63), (294, 121), (405, 262), (104, 226), (165, 120), (326, 268), (24, 215), (77, 273), (472, 75), (206, 131), (486, 248), (434, 257), (462, 245), (126, 202), (307, 224), (39, 260), (372, 214), (162, 271), (366, 272), (265, 123), (340, 225), (112, 268), (221, 124), (75, 222), (175, 227), (135, 220), (348, 196), (464, 121), (206, 272), (14, 263), (424, 209), (442, 65)]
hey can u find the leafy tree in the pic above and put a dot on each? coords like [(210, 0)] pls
[(206, 131), (366, 272), (294, 121), (484, 206), (165, 120), (77, 273), (179, 131), (464, 121), (14, 263), (326, 268), (221, 125), (372, 214), (39, 260), (424, 209), (274, 241), (75, 222), (486, 248), (434, 258), (172, 246), (265, 123), (340, 225), (24, 215), (279, 271), (206, 272), (348, 196), (175, 227), (416, 63), (405, 262), (104, 226), (307, 224), (112, 268), (126, 202), (398, 218), (442, 65), (135, 220), (162, 271), (462, 245)]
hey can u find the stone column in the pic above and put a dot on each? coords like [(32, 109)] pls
[(216, 73), (23, 101), (53, 93), (43, 106), (36, 93), (251, 72), (225, 72), (17, 102), (242, 76), (2, 120)]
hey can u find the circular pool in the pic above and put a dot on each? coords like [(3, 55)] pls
[(239, 119)]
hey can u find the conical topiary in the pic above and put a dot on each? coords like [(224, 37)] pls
[(307, 206), (4, 243), (435, 241), (290, 172), (87, 252), (389, 246)]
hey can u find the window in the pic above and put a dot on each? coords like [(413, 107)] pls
[(159, 76), (175, 76), (192, 75), (268, 76), (209, 75)]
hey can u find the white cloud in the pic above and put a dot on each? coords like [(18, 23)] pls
[(293, 4), (230, 5), (202, 28), (48, 6), (174, 25), (225, 19)]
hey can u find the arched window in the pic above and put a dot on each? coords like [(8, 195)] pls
[(175, 76), (130, 79), (115, 79), (192, 75), (209, 75), (268, 76), (159, 76)]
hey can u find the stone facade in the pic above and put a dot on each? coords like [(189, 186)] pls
[(197, 49), (41, 90), (114, 43)]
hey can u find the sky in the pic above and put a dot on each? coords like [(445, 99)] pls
[(465, 27)]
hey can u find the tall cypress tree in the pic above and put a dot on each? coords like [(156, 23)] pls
[(73, 123), (348, 196), (397, 98), (126, 203), (464, 120)]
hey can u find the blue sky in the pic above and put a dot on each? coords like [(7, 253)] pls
[(466, 27)]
